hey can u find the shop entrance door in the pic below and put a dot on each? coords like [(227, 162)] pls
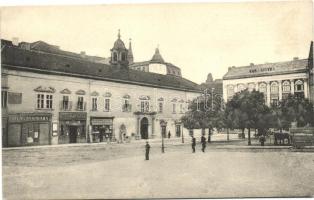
[(73, 134), (178, 130)]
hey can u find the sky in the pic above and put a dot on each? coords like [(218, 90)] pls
[(200, 38)]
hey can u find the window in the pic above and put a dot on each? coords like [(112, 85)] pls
[(49, 101), (126, 106), (263, 89), (94, 103), (107, 105), (286, 87), (65, 103), (274, 89), (80, 103), (115, 56), (144, 106), (4, 99), (160, 106), (299, 86), (123, 57), (174, 108), (44, 101)]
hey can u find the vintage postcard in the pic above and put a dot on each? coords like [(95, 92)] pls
[(159, 100)]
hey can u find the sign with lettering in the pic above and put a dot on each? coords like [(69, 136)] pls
[(69, 116), (30, 117), (101, 121)]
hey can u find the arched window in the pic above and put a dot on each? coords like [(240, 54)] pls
[(123, 57), (263, 89), (115, 56), (299, 87), (286, 87), (274, 89)]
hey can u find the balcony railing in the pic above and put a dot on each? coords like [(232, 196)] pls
[(81, 106), (127, 108), (65, 105)]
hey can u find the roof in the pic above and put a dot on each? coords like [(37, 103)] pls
[(267, 69), (118, 44), (36, 61), (157, 58)]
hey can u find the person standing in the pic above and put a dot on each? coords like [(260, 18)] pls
[(203, 141), (193, 144), (147, 147), (169, 135)]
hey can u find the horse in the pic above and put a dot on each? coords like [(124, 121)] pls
[(281, 137)]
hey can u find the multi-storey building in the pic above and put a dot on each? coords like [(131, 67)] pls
[(275, 80), (54, 97)]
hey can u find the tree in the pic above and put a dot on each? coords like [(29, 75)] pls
[(204, 113), (246, 110), (292, 109)]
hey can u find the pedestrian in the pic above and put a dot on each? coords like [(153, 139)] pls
[(147, 147), (169, 135), (203, 141), (193, 144)]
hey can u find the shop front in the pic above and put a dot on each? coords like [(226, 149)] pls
[(102, 129), (27, 129), (72, 127)]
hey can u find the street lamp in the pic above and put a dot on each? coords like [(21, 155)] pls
[(163, 125)]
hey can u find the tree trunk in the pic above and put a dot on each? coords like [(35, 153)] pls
[(243, 135), (209, 135), (227, 134), (249, 136)]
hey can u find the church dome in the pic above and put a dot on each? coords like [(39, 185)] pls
[(119, 44), (157, 58)]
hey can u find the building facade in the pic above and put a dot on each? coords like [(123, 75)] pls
[(56, 98), (275, 80)]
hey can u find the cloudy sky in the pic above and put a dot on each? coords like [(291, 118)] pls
[(199, 38)]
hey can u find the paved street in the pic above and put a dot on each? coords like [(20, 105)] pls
[(120, 171)]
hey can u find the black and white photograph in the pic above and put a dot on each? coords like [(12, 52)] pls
[(157, 100)]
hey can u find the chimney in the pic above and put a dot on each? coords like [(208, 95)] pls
[(251, 64), (15, 41), (295, 58), (83, 54)]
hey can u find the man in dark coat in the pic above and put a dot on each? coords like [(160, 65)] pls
[(169, 135), (203, 141), (193, 144), (147, 147)]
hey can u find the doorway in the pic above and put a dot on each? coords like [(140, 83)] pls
[(73, 134), (144, 128)]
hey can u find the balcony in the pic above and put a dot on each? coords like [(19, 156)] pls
[(127, 108), (81, 106), (65, 105)]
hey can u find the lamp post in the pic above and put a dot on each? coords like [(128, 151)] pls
[(212, 99), (163, 125)]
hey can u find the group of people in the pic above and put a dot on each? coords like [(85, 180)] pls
[(203, 142)]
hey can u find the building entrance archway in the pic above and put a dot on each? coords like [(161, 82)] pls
[(144, 128)]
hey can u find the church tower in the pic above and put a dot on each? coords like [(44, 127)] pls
[(119, 54), (130, 54)]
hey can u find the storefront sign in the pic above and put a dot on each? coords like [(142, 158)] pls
[(30, 117), (101, 121), (69, 116)]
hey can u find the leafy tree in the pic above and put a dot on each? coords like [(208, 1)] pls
[(204, 112), (246, 110), (292, 109)]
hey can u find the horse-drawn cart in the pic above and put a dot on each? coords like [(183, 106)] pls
[(302, 137)]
